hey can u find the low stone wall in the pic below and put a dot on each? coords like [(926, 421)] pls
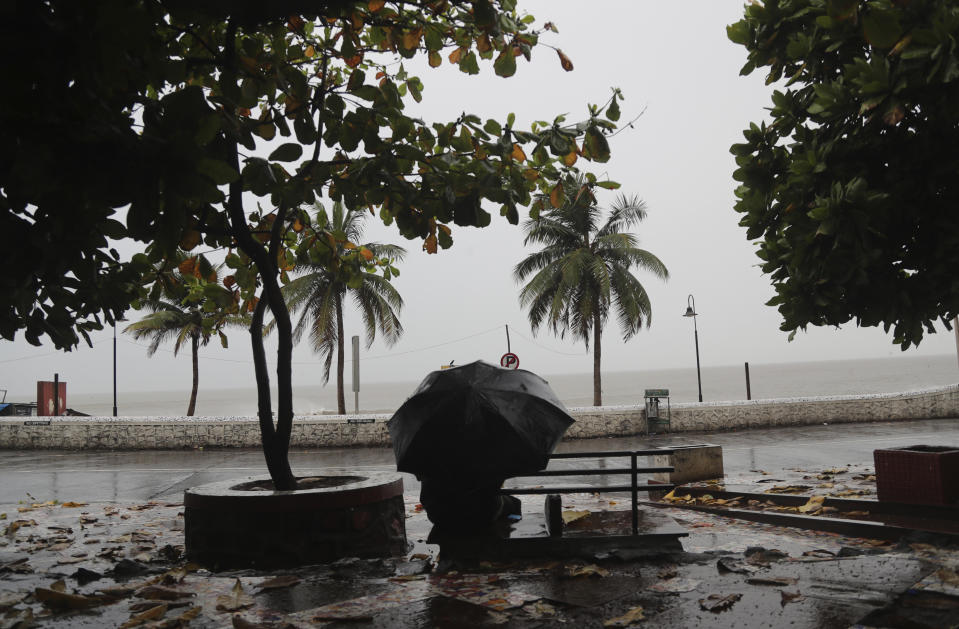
[(158, 433)]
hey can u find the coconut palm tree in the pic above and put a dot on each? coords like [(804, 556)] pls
[(320, 292), (187, 306), (585, 268)]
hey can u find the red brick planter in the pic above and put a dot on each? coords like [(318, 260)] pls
[(918, 474), (241, 523)]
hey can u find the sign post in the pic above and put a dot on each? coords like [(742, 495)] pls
[(356, 375)]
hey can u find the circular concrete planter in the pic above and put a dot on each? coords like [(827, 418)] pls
[(243, 523)]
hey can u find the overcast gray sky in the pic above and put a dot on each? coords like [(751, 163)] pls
[(671, 58)]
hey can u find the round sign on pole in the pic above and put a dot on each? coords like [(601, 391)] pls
[(509, 360)]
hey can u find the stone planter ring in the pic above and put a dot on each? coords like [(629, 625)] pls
[(244, 523)]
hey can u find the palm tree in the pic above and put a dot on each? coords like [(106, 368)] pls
[(584, 268), (187, 306), (320, 291)]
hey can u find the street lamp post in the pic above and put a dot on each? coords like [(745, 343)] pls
[(114, 368), (691, 312)]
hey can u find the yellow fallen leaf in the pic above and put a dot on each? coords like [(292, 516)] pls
[(71, 504), (154, 613), (572, 516), (189, 615), (16, 525), (670, 496), (813, 505), (591, 570), (632, 616), (236, 600)]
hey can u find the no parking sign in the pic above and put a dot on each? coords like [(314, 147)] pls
[(509, 360)]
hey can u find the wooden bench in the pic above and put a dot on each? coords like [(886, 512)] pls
[(553, 506)]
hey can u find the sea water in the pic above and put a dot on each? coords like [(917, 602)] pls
[(768, 381)]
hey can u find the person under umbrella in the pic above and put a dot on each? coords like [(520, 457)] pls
[(465, 430)]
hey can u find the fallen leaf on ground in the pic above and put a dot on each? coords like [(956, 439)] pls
[(9, 599), (813, 505), (675, 586), (717, 602), (572, 516), (154, 613), (60, 600), (632, 616), (729, 564), (160, 593), (142, 606), (17, 566), (420, 556), (854, 514), (948, 576), (497, 618), (762, 557), (787, 489), (540, 609), (591, 570), (189, 615), (819, 552), (16, 525), (279, 582), (790, 597), (852, 492), (838, 470), (772, 581), (18, 619), (142, 507), (236, 600), (668, 572), (71, 504)]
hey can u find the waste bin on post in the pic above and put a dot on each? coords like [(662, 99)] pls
[(654, 415)]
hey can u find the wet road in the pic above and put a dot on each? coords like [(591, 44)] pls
[(132, 476)]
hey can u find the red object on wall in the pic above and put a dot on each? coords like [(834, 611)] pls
[(918, 474), (45, 400)]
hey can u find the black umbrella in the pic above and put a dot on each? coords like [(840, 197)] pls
[(480, 421)]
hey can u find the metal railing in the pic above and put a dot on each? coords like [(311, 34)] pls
[(633, 471)]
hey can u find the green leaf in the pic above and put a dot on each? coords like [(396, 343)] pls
[(505, 64), (218, 171), (881, 28), (738, 33), (287, 152), (612, 112), (468, 63), (608, 185), (597, 145)]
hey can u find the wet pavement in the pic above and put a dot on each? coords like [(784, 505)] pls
[(107, 550)]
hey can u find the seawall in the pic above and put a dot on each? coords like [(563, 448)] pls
[(160, 433)]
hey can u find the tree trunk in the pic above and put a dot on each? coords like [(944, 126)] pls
[(275, 439), (340, 397), (195, 347), (597, 356), (274, 450)]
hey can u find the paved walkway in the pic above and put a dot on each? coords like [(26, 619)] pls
[(164, 475), (60, 564)]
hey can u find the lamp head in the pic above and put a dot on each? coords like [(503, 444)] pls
[(690, 312)]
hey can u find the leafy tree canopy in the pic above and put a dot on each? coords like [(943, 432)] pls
[(174, 111), (852, 187)]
